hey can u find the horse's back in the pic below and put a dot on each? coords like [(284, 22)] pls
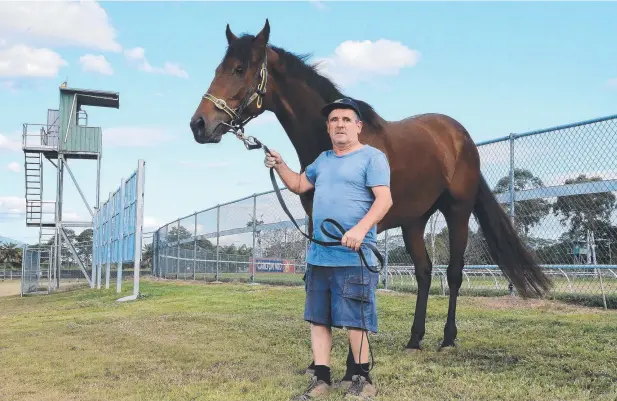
[(424, 152)]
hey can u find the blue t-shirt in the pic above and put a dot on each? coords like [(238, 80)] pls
[(343, 193)]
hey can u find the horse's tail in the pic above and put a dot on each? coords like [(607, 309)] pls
[(505, 247)]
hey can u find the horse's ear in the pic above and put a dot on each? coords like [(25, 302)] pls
[(263, 37), (230, 36)]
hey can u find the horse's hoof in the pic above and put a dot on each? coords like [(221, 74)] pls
[(450, 348)]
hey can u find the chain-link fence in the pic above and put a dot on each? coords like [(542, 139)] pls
[(558, 185), (36, 275), (39, 275)]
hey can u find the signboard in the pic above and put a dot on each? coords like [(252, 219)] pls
[(272, 265)]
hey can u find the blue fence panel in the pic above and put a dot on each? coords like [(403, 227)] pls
[(115, 225), (116, 221), (130, 217)]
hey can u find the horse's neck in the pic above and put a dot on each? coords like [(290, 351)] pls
[(298, 110)]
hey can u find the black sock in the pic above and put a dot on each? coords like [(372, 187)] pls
[(350, 365), (362, 370), (323, 373)]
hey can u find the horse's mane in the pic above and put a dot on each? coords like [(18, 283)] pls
[(296, 65)]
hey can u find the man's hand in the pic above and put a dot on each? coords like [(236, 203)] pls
[(273, 159), (296, 183), (354, 237)]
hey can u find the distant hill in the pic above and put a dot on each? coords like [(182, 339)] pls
[(5, 240)]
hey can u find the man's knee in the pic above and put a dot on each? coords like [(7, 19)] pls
[(320, 328)]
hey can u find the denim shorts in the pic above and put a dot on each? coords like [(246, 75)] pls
[(335, 296)]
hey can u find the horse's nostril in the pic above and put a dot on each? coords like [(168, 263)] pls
[(197, 123)]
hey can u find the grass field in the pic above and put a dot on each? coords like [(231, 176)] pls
[(199, 341), (586, 290)]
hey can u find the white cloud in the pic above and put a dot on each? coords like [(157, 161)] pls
[(12, 205), (14, 167), (10, 144), (90, 62), (83, 24), (26, 61), (150, 223), (356, 61), (137, 56), (134, 136)]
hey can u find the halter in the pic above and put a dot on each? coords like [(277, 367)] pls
[(237, 123)]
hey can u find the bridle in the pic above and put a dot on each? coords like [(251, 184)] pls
[(255, 93)]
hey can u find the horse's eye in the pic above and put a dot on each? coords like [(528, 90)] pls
[(238, 70)]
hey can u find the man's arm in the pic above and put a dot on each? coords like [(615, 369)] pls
[(381, 205), (297, 183), (383, 201)]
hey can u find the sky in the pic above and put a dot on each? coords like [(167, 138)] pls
[(496, 67)]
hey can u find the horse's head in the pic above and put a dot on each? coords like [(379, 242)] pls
[(236, 93)]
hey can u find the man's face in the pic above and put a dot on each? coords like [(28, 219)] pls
[(343, 126)]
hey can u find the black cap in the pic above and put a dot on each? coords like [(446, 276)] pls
[(345, 103)]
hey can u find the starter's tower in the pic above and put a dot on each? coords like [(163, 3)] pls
[(65, 136)]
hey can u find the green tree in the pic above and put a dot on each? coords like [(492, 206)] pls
[(179, 234), (477, 252), (10, 253), (440, 253), (205, 244), (528, 213), (585, 211), (146, 257), (83, 246)]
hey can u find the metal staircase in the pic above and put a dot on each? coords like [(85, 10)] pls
[(34, 189), (46, 255), (46, 236)]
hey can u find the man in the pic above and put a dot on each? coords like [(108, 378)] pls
[(352, 186)]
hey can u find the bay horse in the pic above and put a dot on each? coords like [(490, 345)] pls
[(434, 163)]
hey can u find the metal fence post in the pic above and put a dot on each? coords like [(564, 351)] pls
[(386, 259), (512, 214), (254, 235), (218, 236), (178, 252), (306, 241), (195, 248)]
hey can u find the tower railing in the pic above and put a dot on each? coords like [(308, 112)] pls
[(40, 136)]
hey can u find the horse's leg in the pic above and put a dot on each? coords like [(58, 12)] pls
[(457, 218), (413, 236)]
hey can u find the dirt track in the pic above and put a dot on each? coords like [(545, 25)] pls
[(9, 287)]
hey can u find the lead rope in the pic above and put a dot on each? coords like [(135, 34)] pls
[(253, 143)]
